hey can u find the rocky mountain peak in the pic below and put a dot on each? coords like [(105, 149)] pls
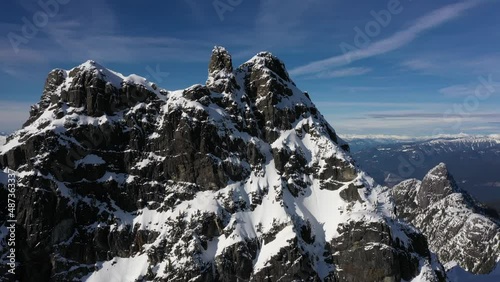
[(437, 184), (91, 72), (440, 170), (90, 65), (270, 62), (95, 88)]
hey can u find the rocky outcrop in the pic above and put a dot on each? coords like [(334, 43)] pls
[(459, 229), (240, 179), (372, 250)]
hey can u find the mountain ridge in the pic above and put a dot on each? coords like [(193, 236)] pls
[(360, 142)]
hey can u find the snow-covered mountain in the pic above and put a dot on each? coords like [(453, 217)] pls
[(240, 179), (460, 230), (474, 160)]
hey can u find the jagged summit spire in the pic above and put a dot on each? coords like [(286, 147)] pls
[(220, 71), (437, 184), (439, 169), (220, 61)]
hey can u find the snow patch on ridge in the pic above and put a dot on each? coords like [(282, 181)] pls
[(120, 269), (270, 249), (90, 160)]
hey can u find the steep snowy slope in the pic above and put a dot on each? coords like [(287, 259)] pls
[(458, 229), (240, 179)]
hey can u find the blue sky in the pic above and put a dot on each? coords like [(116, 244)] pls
[(372, 67)]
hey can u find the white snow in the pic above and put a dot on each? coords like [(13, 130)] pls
[(272, 248), (90, 160), (112, 176), (114, 78), (150, 159), (120, 269)]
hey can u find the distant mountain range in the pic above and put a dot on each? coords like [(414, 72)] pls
[(473, 160), (361, 142)]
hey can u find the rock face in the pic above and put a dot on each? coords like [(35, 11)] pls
[(458, 229), (241, 179)]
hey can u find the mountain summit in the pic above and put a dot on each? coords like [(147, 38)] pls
[(240, 179)]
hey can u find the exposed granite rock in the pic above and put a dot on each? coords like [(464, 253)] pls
[(370, 250), (351, 193), (220, 72)]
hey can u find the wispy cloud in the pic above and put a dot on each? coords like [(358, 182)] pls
[(391, 126), (366, 89), (370, 104), (457, 90), (463, 90), (97, 36), (118, 48), (484, 63), (483, 128), (343, 72), (412, 115), (413, 123), (446, 63), (419, 65), (396, 41)]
